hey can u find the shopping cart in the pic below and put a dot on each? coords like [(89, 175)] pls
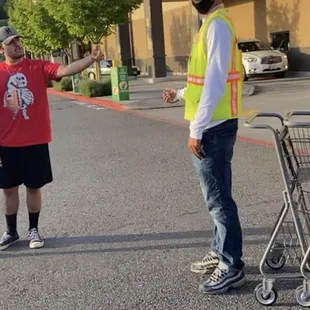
[(290, 239)]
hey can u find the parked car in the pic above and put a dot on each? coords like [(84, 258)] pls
[(259, 59), (105, 68)]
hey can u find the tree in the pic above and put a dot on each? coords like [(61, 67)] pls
[(90, 20), (20, 12), (42, 33)]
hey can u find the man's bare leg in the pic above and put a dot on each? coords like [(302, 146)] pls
[(11, 200), (34, 200)]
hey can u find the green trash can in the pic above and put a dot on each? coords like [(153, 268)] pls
[(120, 85), (76, 79)]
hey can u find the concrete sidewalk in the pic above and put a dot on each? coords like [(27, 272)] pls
[(146, 96), (143, 95)]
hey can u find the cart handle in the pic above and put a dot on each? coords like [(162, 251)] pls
[(248, 122), (289, 123)]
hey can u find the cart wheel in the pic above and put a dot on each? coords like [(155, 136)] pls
[(267, 300), (302, 299), (276, 263)]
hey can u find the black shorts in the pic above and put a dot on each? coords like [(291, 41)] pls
[(29, 165)]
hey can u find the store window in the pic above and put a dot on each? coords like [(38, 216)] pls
[(280, 40)]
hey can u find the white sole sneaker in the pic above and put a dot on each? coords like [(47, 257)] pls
[(225, 289), (36, 245)]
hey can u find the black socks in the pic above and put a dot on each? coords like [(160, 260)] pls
[(33, 220), (11, 221)]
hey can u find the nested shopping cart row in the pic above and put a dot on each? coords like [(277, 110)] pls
[(289, 243)]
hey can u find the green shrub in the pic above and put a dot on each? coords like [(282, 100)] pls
[(92, 88), (49, 84), (64, 85)]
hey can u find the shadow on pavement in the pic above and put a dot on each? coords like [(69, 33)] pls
[(57, 244), (70, 241), (76, 240)]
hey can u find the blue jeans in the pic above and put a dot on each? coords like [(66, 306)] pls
[(214, 172)]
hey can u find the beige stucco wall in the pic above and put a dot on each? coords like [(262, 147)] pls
[(242, 14), (258, 18), (292, 15), (139, 33), (110, 47), (177, 28), (177, 32)]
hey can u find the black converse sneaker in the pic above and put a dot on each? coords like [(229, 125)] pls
[(207, 265), (7, 240), (35, 240)]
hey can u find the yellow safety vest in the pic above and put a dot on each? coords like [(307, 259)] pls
[(230, 106)]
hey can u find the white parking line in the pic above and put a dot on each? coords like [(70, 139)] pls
[(88, 105)]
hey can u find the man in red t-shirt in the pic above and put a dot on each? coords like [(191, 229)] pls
[(25, 129)]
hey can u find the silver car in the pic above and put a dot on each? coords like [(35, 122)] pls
[(105, 68)]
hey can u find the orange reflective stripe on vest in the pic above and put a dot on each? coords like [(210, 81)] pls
[(195, 79), (199, 80), (234, 84)]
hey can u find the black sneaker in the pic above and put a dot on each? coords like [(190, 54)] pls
[(35, 240), (222, 280), (7, 240)]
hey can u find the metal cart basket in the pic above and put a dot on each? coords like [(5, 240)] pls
[(290, 240)]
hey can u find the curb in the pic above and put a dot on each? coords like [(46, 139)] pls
[(118, 106), (103, 103)]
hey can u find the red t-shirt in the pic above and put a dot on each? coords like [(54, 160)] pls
[(31, 125)]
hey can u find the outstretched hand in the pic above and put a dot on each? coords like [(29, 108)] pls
[(170, 95), (96, 53)]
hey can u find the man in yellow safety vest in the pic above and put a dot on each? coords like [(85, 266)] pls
[(212, 105)]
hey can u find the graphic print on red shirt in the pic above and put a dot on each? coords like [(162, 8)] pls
[(31, 125)]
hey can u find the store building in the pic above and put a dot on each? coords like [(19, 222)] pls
[(158, 39)]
